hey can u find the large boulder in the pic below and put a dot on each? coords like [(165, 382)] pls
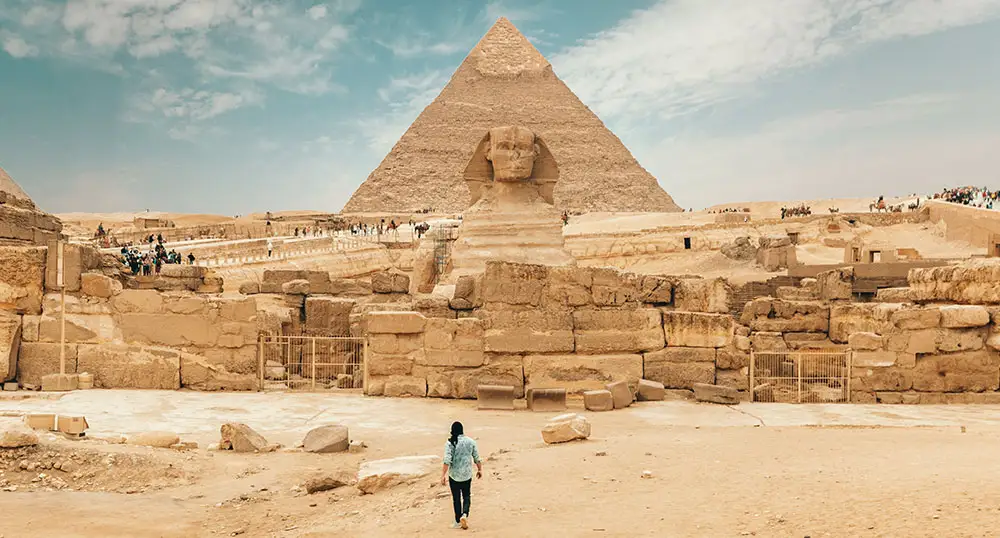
[(378, 475), (242, 438), (16, 434), (564, 428), (704, 392), (327, 439), (739, 249), (327, 482)]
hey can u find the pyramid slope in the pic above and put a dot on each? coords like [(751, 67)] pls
[(10, 189), (506, 81)]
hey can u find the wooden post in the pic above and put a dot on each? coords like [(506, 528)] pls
[(313, 356), (850, 366), (798, 368), (753, 360), (364, 365), (60, 250), (260, 361)]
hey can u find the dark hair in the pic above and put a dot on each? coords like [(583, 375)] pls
[(456, 430)]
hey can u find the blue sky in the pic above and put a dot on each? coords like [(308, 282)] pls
[(233, 106)]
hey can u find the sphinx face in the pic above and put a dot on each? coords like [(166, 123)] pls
[(513, 152)]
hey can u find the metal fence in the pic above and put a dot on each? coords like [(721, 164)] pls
[(800, 377), (309, 362)]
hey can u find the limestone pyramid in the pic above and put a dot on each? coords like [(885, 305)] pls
[(21, 223), (506, 81)]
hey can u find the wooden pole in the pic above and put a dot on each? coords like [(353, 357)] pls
[(62, 307)]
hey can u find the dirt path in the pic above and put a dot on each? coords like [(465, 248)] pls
[(726, 477)]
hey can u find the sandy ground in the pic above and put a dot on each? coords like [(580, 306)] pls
[(748, 470)]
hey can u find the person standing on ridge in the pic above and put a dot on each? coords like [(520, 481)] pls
[(459, 454)]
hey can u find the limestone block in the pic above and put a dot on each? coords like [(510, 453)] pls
[(949, 340), (197, 373), (242, 438), (399, 385), (116, 366), (742, 342), (395, 322), (465, 288), (598, 400), (961, 316), (294, 301), (331, 316), (893, 295), (971, 371), (864, 341), (836, 284), (544, 400), (155, 439), (398, 364), (433, 306), (168, 329), (874, 359), (620, 393), (695, 329), (972, 282), (807, 341), (10, 345), (250, 288), (877, 379), (849, 318), (243, 309), (138, 301), (702, 295), (504, 370), (656, 289), (327, 439), (578, 373), (650, 391), (296, 287), (680, 375), (775, 259), (183, 271), (40, 359), (79, 329), (917, 318), (974, 398), (345, 287), (212, 283), (513, 283), (378, 475), (184, 303), (680, 354), (605, 331), (390, 282), (527, 331), (29, 328), (704, 392), (98, 285), (23, 280), (777, 315), (614, 288), (76, 260), (768, 341), (731, 359), (565, 428), (60, 382), (497, 397), (737, 379)]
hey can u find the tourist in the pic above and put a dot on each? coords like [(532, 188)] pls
[(459, 454), (270, 247), (190, 259)]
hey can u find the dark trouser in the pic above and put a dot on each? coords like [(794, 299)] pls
[(460, 493)]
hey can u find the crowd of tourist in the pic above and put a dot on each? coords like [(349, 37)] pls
[(148, 262), (970, 196)]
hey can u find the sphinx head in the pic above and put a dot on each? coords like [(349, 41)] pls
[(512, 150)]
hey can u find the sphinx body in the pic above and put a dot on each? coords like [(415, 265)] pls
[(511, 178)]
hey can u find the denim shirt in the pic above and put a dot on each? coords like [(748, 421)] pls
[(459, 458)]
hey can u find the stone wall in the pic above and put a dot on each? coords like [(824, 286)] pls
[(575, 328)]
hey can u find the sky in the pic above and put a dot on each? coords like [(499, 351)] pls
[(239, 106)]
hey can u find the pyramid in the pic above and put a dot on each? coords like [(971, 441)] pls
[(506, 81), (21, 222)]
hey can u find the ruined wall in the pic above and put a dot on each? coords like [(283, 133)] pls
[(576, 328), (965, 223)]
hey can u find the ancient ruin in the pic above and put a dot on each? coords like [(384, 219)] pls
[(505, 81)]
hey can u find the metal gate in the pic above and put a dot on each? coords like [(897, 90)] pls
[(800, 377), (306, 362)]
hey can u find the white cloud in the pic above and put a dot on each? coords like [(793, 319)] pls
[(18, 48), (422, 45), (196, 105), (405, 98), (684, 55), (317, 12), (898, 146)]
